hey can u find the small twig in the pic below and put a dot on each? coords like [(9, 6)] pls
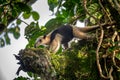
[(74, 18), (113, 58), (23, 21), (118, 39), (113, 37), (105, 66), (111, 2), (110, 73), (117, 5), (59, 5), (104, 10)]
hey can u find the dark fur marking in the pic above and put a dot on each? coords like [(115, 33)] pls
[(66, 31), (44, 36)]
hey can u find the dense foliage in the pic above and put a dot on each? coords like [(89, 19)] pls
[(97, 59), (10, 18)]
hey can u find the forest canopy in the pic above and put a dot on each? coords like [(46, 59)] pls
[(88, 59)]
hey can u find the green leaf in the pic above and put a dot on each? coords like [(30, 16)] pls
[(21, 78), (30, 29), (7, 38), (43, 28), (52, 4), (17, 29), (53, 23), (35, 15), (118, 56), (2, 42), (16, 35), (16, 32), (26, 15), (37, 25), (29, 74), (4, 20), (11, 30), (18, 21)]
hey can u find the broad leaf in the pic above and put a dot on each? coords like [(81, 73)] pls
[(2, 42), (52, 4), (35, 15), (26, 15), (18, 22), (7, 39), (16, 33)]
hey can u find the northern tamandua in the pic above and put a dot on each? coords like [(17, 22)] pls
[(63, 35)]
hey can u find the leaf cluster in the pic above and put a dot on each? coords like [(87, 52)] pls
[(10, 11)]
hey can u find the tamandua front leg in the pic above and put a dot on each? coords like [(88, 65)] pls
[(54, 46)]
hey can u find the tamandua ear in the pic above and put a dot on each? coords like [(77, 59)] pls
[(44, 36)]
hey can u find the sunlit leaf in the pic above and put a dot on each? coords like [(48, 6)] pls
[(118, 56), (35, 15), (26, 15), (43, 28), (17, 29)]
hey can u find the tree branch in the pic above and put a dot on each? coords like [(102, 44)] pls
[(117, 5)]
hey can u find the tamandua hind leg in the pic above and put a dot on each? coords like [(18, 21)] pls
[(65, 45)]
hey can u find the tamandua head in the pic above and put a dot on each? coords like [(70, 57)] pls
[(42, 40)]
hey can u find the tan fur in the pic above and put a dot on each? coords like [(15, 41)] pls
[(55, 45), (80, 34), (45, 41)]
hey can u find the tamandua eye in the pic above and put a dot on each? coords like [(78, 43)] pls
[(40, 40)]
